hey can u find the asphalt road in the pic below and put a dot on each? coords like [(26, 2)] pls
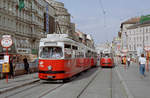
[(94, 83)]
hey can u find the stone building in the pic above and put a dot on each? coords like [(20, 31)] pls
[(124, 35), (26, 26), (137, 36), (62, 17)]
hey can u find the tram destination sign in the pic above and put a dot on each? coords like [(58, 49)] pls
[(6, 41)]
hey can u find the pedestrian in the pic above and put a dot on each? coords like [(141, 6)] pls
[(56, 54), (26, 65), (142, 63), (128, 61), (11, 73), (124, 60)]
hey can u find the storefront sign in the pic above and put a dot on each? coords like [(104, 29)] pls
[(6, 59)]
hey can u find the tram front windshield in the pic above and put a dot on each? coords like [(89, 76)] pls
[(51, 52)]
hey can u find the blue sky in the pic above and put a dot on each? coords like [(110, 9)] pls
[(89, 18)]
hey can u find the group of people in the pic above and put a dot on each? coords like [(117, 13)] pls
[(12, 66), (142, 64)]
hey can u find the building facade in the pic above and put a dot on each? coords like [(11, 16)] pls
[(26, 26), (139, 37), (124, 33), (62, 17)]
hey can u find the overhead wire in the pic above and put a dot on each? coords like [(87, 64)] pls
[(104, 14), (103, 11)]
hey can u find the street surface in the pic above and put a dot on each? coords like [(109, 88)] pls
[(137, 87), (118, 82), (96, 82)]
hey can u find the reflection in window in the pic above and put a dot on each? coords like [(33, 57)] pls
[(51, 52)]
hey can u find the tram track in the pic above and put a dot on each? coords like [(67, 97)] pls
[(111, 82), (93, 78), (32, 86), (21, 91), (51, 90), (91, 81)]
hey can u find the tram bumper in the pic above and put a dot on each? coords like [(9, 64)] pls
[(51, 75)]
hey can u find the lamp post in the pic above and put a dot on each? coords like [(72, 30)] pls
[(126, 38), (47, 19)]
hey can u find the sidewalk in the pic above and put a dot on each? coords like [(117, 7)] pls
[(17, 82), (135, 86)]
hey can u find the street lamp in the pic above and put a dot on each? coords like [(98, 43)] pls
[(143, 40)]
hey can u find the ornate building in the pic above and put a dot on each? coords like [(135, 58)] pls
[(26, 26), (124, 34), (62, 17)]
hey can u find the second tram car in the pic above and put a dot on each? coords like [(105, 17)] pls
[(61, 58), (107, 60)]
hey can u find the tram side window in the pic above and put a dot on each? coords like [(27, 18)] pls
[(67, 46), (51, 52), (74, 52), (88, 54), (74, 47), (80, 54), (68, 51)]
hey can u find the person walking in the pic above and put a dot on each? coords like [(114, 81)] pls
[(128, 61), (142, 63), (11, 73), (26, 65)]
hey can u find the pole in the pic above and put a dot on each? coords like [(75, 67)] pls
[(143, 42), (47, 19), (147, 58), (6, 73)]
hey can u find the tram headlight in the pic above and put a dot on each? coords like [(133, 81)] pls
[(41, 62), (49, 67)]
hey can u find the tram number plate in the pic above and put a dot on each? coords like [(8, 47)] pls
[(49, 76)]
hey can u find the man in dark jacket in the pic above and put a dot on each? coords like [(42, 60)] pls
[(26, 65), (11, 73)]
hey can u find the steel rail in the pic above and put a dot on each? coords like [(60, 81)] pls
[(93, 78)]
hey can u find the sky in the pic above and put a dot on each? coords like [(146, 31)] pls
[(102, 18)]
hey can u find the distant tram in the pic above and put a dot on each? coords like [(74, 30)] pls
[(60, 58), (107, 60)]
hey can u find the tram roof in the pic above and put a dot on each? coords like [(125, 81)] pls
[(57, 38), (62, 38)]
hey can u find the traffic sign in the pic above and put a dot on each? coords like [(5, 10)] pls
[(6, 41)]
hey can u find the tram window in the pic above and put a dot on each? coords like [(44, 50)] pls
[(51, 52), (67, 46), (74, 47), (106, 55), (88, 53), (81, 54)]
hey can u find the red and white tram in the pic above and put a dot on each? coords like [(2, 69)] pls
[(61, 58)]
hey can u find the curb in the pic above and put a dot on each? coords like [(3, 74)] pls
[(129, 95), (18, 86)]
